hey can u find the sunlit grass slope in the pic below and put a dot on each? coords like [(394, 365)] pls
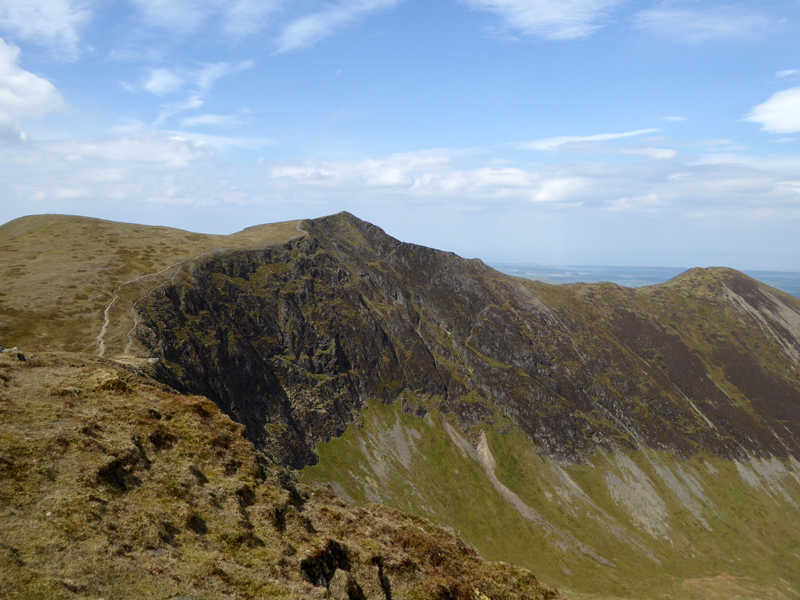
[(640, 524), (59, 274)]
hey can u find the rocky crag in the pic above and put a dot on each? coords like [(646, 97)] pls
[(639, 443), (292, 340)]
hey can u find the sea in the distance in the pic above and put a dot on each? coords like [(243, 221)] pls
[(786, 281)]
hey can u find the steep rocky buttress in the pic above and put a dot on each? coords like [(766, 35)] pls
[(292, 340)]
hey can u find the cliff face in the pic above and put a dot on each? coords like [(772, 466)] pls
[(628, 443), (292, 340)]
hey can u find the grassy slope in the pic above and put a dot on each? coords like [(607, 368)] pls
[(60, 272), (412, 464), (114, 486), (40, 309)]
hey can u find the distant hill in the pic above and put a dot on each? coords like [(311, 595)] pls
[(635, 443), (785, 281)]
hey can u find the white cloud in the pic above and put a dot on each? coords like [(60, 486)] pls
[(311, 29), (179, 16), (785, 164), (213, 120), (167, 149), (674, 119), (654, 153), (560, 189), (786, 73), (52, 22), (695, 25), (550, 19), (647, 203), (238, 18), (593, 144), (210, 74), (173, 108), (245, 17), (779, 114), (554, 143), (22, 94), (163, 81), (138, 174)]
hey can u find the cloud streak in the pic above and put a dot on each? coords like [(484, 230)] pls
[(238, 18), (555, 143), (55, 23), (309, 30), (162, 81), (549, 19), (690, 24)]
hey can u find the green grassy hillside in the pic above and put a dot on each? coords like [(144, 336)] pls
[(641, 524), (620, 443), (61, 273)]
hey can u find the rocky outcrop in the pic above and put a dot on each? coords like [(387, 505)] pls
[(292, 340), (114, 486)]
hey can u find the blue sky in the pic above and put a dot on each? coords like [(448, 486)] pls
[(652, 133)]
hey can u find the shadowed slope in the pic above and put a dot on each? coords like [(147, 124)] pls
[(293, 339)]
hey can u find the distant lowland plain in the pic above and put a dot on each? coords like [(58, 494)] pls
[(634, 277)]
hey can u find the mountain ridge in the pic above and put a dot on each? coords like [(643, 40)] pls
[(629, 429)]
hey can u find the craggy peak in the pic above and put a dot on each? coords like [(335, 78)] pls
[(314, 409)]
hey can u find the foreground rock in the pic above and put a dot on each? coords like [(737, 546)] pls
[(113, 486)]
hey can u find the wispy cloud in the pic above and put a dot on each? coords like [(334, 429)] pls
[(779, 114), (238, 18), (786, 73), (179, 16), (245, 17), (56, 23), (647, 203), (137, 167), (22, 94), (199, 81), (210, 74), (136, 145), (549, 19), (692, 24), (162, 81), (209, 120), (674, 119), (554, 143), (308, 30), (654, 153), (170, 150), (168, 110)]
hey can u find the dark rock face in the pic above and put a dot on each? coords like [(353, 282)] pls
[(292, 340)]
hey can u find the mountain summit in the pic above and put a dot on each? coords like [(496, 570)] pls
[(640, 443)]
